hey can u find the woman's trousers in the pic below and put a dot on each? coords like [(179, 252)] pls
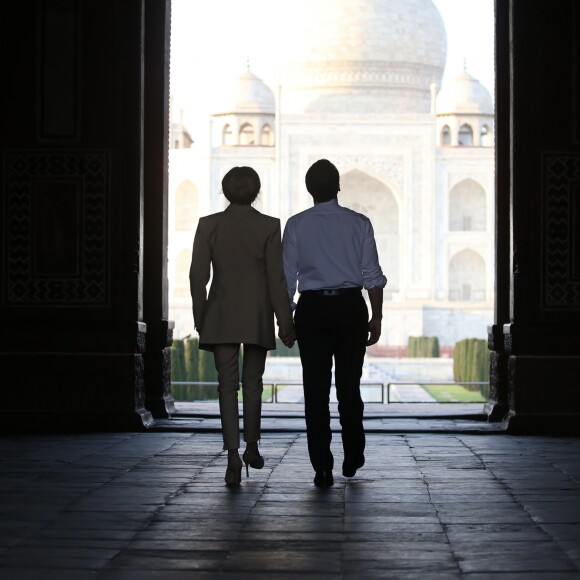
[(228, 368)]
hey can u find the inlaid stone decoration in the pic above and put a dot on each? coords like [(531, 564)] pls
[(561, 215), (55, 222)]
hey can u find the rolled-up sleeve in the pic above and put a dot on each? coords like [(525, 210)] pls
[(373, 276)]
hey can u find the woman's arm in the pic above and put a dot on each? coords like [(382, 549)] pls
[(277, 282), (199, 274)]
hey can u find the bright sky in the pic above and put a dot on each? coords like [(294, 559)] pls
[(207, 37)]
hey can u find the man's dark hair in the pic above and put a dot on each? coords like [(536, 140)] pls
[(323, 180), (241, 185)]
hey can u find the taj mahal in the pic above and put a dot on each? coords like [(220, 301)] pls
[(362, 88)]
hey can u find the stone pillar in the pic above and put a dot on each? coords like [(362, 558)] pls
[(71, 297), (542, 336), (497, 405), (157, 357)]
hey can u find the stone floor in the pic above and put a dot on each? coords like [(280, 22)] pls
[(143, 506), (393, 418)]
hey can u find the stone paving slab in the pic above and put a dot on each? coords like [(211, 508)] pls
[(154, 506), (373, 424), (211, 408)]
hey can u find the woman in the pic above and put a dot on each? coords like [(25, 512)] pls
[(248, 287)]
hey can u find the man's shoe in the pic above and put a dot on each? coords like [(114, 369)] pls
[(349, 469), (323, 478)]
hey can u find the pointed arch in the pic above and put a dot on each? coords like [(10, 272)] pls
[(467, 276), (247, 134), (365, 194), (186, 206), (267, 137), (465, 135), (486, 135), (227, 135), (467, 207), (446, 135)]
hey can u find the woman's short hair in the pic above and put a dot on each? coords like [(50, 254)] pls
[(241, 185), (323, 180)]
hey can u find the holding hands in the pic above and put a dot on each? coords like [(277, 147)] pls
[(288, 339)]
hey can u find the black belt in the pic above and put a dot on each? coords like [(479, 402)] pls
[(331, 292)]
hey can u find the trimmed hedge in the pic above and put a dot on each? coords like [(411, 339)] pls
[(423, 347), (178, 361), (188, 363), (471, 362)]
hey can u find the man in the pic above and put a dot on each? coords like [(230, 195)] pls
[(330, 252)]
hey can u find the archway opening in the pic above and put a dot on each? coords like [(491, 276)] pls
[(369, 196), (428, 198), (467, 207)]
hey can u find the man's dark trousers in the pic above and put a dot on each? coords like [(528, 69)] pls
[(327, 327)]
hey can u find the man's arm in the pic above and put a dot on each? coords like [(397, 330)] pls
[(374, 282), (290, 260), (376, 300)]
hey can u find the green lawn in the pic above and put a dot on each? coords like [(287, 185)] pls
[(454, 394)]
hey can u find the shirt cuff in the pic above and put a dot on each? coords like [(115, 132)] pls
[(378, 282)]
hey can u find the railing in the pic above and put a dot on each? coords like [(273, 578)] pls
[(276, 387), (385, 389)]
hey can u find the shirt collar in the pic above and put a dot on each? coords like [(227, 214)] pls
[(324, 205)]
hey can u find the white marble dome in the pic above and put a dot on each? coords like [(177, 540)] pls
[(337, 50), (464, 95), (247, 94)]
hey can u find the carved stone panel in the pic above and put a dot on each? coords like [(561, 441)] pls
[(55, 227), (561, 233)]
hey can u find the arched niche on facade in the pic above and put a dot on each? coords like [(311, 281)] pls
[(267, 136), (486, 135), (467, 276), (247, 134), (446, 135), (181, 274), (467, 207), (186, 206), (227, 135), (369, 196), (465, 135)]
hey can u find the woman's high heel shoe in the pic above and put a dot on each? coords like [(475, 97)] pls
[(254, 461), (234, 472)]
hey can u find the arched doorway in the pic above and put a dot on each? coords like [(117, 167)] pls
[(365, 194), (467, 207), (467, 277)]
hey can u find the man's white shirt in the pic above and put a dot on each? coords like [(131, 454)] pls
[(329, 246)]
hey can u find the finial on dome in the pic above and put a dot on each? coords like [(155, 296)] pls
[(464, 64), (247, 63)]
